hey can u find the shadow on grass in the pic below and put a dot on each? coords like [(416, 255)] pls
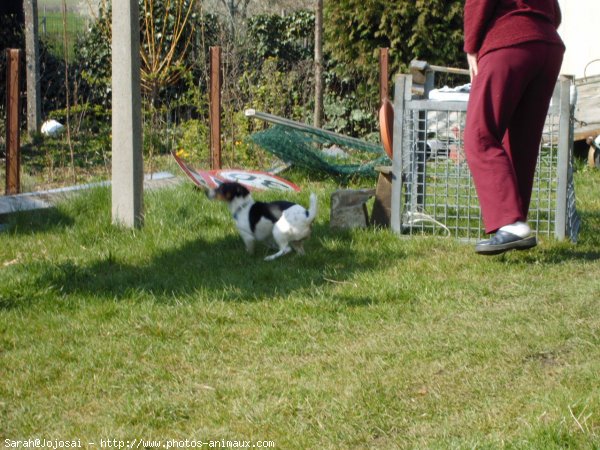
[(218, 270), (587, 248), (559, 255), (42, 220)]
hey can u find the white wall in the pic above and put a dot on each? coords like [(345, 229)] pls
[(580, 30)]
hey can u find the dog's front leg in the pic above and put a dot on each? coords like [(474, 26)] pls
[(249, 242)]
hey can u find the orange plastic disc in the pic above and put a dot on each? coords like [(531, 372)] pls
[(386, 127)]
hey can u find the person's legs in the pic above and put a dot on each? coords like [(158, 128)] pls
[(506, 112), (496, 95), (505, 119), (525, 129)]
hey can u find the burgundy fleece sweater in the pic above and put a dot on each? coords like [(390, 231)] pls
[(493, 24)]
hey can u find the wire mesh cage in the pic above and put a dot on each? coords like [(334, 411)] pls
[(433, 191)]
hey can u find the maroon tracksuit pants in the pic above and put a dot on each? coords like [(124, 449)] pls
[(507, 109)]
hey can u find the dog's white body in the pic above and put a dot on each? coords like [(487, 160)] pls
[(287, 224)]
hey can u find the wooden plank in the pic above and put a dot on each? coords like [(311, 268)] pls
[(13, 108), (587, 110), (215, 108), (451, 70)]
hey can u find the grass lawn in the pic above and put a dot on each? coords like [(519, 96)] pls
[(368, 341)]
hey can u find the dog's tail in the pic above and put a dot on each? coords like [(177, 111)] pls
[(312, 209)]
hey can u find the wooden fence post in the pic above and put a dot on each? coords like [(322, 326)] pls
[(384, 73), (13, 109), (215, 107)]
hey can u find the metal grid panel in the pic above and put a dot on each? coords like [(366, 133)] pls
[(438, 195)]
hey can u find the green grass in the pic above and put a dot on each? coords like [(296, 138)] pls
[(368, 341)]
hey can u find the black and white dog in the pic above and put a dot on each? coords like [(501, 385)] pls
[(286, 223)]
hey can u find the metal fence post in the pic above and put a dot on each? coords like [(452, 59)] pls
[(562, 170), (402, 93)]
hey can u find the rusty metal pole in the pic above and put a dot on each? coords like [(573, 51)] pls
[(215, 107), (384, 73), (13, 109)]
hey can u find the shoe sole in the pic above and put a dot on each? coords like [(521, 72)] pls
[(521, 244)]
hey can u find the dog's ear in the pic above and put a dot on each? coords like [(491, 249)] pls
[(240, 190)]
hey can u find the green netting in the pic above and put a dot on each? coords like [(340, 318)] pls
[(305, 148)]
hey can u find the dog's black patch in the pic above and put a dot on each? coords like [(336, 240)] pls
[(228, 191), (271, 211)]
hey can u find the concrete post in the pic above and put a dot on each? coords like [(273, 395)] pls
[(127, 160), (34, 103)]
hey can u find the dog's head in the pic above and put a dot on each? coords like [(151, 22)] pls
[(228, 192)]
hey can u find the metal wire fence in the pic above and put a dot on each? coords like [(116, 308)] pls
[(434, 192), (57, 29)]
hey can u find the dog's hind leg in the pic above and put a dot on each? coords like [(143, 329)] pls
[(281, 239), (284, 251), (270, 243), (298, 246)]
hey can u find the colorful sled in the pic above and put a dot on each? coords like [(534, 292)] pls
[(252, 179)]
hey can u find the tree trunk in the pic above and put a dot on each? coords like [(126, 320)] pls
[(34, 107), (238, 10), (318, 116)]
